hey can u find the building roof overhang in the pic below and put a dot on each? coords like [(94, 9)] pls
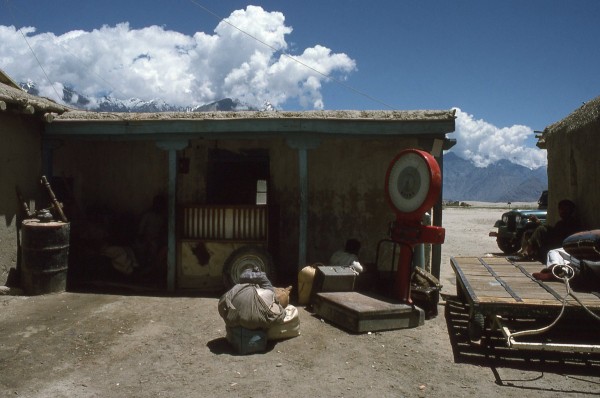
[(249, 124)]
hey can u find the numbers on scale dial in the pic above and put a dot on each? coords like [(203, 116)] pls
[(408, 183)]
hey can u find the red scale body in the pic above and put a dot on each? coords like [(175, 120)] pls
[(419, 168)]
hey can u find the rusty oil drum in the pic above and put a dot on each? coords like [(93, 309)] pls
[(45, 256)]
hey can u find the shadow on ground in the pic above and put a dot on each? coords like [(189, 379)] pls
[(493, 352)]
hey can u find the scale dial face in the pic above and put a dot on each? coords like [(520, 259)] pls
[(413, 182)]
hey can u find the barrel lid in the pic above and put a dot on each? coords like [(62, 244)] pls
[(34, 222)]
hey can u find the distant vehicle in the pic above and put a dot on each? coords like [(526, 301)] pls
[(515, 222)]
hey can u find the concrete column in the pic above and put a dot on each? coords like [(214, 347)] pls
[(172, 147)]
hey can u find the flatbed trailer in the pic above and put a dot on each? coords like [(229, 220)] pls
[(499, 290)]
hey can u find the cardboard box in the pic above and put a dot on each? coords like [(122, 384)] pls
[(247, 341)]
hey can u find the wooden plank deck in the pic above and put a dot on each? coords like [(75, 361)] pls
[(498, 286)]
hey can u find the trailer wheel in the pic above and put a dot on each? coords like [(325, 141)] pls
[(476, 326), (243, 258)]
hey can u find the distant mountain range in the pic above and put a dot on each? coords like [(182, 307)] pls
[(499, 182), (111, 104), (502, 181)]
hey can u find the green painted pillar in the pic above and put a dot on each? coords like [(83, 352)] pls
[(303, 144), (172, 147)]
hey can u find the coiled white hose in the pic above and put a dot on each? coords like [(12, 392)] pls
[(565, 273)]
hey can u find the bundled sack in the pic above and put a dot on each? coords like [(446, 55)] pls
[(282, 295), (584, 245), (256, 277), (289, 326), (250, 306)]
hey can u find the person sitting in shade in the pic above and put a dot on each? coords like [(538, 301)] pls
[(543, 238), (348, 257)]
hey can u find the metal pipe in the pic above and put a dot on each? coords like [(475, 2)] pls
[(419, 256), (540, 346)]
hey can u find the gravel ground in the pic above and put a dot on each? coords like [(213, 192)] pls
[(110, 345)]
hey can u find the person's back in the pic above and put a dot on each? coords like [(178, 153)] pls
[(343, 258), (347, 257)]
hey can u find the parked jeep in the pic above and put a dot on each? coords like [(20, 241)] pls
[(515, 222)]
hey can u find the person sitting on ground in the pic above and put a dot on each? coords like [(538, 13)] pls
[(152, 235), (348, 257), (543, 238)]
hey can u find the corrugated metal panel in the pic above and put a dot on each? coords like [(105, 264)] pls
[(239, 223)]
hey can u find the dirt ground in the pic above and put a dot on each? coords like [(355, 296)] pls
[(107, 345)]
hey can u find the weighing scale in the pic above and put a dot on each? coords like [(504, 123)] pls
[(413, 185)]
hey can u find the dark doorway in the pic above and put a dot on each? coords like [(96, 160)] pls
[(233, 178)]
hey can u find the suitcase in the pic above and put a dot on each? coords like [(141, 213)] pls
[(333, 278)]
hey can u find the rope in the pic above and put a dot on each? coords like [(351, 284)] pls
[(565, 273)]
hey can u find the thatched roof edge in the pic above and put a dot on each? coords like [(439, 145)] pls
[(11, 93), (415, 115), (588, 113)]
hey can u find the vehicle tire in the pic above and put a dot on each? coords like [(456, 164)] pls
[(246, 257), (476, 326), (508, 246)]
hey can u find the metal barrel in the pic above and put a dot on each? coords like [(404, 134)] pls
[(45, 256)]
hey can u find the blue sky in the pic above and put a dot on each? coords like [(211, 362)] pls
[(511, 67)]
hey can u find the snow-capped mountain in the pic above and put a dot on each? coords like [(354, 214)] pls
[(499, 182), (502, 181), (112, 104)]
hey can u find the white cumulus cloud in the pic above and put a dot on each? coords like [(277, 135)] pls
[(484, 144), (245, 58)]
